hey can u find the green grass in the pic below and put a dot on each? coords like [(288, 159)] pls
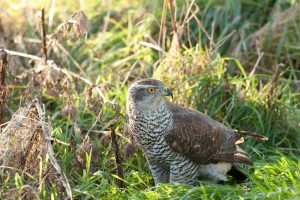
[(217, 84)]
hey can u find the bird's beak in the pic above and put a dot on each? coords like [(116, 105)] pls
[(168, 92)]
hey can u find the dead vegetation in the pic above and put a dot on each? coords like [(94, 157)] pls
[(25, 143), (176, 63), (75, 27), (3, 88), (25, 148)]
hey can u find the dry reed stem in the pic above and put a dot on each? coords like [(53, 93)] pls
[(172, 7), (50, 151), (25, 55), (273, 85), (3, 89), (251, 74), (43, 36), (163, 29), (118, 158)]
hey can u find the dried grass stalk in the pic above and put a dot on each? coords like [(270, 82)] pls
[(3, 88), (25, 146), (118, 162), (273, 94), (43, 36), (76, 26)]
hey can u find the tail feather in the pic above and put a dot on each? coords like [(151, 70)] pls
[(241, 156), (252, 134)]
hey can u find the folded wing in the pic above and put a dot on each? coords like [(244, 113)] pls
[(203, 139)]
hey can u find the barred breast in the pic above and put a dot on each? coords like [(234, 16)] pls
[(149, 128)]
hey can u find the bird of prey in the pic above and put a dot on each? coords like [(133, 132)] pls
[(181, 144)]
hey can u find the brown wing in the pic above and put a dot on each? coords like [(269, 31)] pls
[(203, 139)]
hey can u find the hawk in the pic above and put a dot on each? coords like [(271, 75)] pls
[(181, 144)]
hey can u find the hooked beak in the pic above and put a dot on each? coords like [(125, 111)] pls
[(168, 92)]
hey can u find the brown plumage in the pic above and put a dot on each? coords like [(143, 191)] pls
[(181, 144), (205, 140)]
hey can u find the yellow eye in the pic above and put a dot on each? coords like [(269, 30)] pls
[(151, 90)]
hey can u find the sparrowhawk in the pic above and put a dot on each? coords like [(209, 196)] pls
[(181, 144)]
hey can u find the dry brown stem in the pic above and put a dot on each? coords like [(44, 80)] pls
[(3, 89), (43, 36), (46, 130), (163, 28), (172, 6), (118, 158), (251, 74), (273, 85)]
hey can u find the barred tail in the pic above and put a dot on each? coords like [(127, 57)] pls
[(241, 156), (257, 136)]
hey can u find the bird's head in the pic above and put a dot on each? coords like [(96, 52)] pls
[(147, 94)]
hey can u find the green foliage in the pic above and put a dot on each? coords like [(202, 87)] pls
[(219, 86)]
